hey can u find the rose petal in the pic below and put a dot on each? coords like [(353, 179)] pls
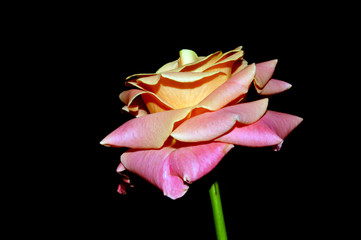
[(187, 57), (184, 77), (270, 130), (193, 162), (120, 168), (139, 75), (281, 123), (148, 101), (125, 181), (150, 131), (137, 111), (134, 104), (210, 125), (181, 89), (254, 135), (238, 66), (153, 165), (230, 54), (201, 64), (141, 81), (274, 86), (198, 66), (264, 72), (230, 90), (122, 188), (225, 64), (168, 168)]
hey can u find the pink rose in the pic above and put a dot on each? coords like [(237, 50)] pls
[(191, 112)]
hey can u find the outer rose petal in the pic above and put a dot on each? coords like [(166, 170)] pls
[(211, 125), (263, 82), (270, 130), (264, 72), (281, 123), (153, 165), (150, 131), (274, 86), (166, 168), (193, 162)]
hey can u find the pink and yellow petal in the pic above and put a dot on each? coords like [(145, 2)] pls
[(150, 131), (211, 125)]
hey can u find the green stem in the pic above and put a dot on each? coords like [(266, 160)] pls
[(217, 211)]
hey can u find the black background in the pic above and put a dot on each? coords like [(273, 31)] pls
[(69, 64), (264, 193)]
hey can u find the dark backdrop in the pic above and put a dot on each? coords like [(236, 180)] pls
[(66, 184)]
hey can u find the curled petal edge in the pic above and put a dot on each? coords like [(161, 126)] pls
[(274, 86), (148, 102), (263, 82), (211, 125)]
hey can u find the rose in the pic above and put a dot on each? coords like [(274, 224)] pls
[(191, 112)]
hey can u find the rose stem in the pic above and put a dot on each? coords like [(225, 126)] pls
[(217, 211)]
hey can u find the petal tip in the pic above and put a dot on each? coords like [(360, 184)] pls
[(252, 67), (104, 143), (227, 148)]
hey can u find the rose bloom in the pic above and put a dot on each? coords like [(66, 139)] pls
[(191, 112)]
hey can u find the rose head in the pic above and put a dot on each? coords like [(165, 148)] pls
[(191, 112)]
